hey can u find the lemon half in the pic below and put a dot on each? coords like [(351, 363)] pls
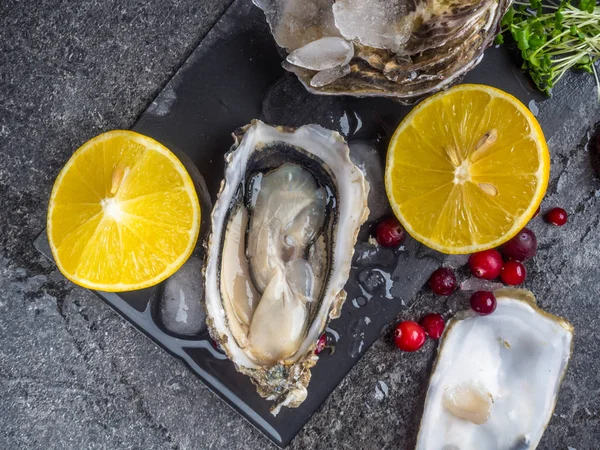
[(123, 213), (467, 169)]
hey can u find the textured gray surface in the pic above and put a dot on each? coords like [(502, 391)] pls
[(73, 375)]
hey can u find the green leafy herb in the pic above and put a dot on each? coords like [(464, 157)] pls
[(554, 38)]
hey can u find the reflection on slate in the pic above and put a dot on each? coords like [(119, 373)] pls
[(232, 77)]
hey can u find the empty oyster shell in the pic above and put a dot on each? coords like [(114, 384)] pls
[(283, 233), (496, 378)]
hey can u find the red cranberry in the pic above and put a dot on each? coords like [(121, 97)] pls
[(216, 346), (557, 216), (521, 247), (483, 302), (486, 264), (389, 232), (321, 344), (442, 281), (513, 273), (433, 324), (409, 336)]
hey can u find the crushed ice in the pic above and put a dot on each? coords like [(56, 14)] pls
[(479, 284), (322, 54), (328, 76), (296, 23), (365, 155), (180, 308), (375, 23)]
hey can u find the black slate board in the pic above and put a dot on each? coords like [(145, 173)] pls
[(224, 84)]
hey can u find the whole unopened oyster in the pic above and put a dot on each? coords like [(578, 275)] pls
[(283, 233), (402, 49)]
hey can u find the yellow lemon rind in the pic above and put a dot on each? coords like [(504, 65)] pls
[(521, 222), (150, 144)]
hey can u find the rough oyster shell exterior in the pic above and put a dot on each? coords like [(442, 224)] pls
[(435, 45)]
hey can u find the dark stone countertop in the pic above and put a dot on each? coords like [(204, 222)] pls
[(73, 375)]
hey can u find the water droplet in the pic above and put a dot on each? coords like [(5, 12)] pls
[(359, 122), (357, 327), (381, 390), (357, 334), (359, 302), (368, 255), (374, 398), (388, 283), (533, 107), (331, 332), (371, 280), (365, 293), (344, 124), (356, 348)]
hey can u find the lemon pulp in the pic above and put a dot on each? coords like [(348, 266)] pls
[(123, 213), (466, 169)]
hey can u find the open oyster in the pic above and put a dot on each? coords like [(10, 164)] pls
[(394, 48), (283, 233), (496, 378)]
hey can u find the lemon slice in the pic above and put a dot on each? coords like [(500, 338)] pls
[(123, 213), (467, 169)]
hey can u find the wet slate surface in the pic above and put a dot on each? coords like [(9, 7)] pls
[(73, 375)]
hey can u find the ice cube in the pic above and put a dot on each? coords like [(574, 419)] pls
[(479, 284), (365, 155), (296, 23), (456, 261), (201, 191), (376, 23), (328, 76), (324, 53), (180, 308)]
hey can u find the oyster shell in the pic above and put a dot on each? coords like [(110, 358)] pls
[(283, 233), (496, 378), (403, 49)]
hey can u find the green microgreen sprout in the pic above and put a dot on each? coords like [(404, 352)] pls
[(554, 38)]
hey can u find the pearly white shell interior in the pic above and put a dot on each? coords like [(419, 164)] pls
[(352, 191), (517, 355)]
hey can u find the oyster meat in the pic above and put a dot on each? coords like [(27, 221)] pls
[(496, 379), (283, 233), (396, 48)]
